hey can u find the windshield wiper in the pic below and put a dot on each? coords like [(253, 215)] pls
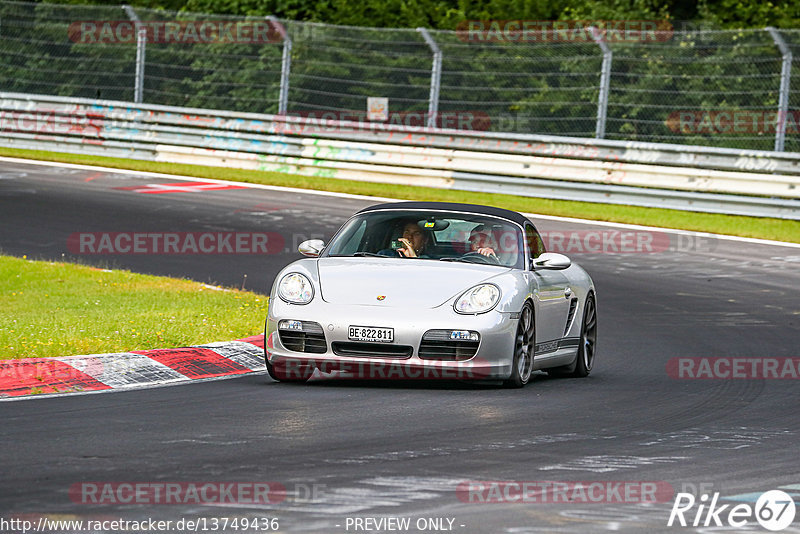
[(462, 260), (359, 255), (369, 254)]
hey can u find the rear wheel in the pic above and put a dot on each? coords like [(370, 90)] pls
[(524, 341), (586, 349)]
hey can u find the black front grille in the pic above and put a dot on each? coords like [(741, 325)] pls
[(437, 345), (310, 339), (371, 350), (451, 351)]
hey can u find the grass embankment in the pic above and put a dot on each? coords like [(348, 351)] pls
[(764, 228), (59, 309)]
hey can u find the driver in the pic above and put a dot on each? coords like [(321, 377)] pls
[(482, 241)]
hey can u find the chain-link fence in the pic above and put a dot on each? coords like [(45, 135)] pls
[(719, 88)]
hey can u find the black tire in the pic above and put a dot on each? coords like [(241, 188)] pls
[(279, 372), (524, 343), (588, 342), (297, 375), (584, 360)]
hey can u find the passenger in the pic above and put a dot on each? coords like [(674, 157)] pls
[(414, 240)]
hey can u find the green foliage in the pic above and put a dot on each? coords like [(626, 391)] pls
[(750, 14), (546, 87), (52, 309), (446, 14)]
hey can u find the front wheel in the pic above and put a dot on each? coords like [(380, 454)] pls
[(283, 373), (288, 373), (524, 341)]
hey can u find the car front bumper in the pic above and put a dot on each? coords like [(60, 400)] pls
[(492, 360)]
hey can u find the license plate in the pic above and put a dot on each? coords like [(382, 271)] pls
[(374, 334)]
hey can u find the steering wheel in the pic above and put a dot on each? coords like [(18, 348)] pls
[(490, 260)]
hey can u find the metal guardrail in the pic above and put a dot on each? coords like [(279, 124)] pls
[(643, 174)]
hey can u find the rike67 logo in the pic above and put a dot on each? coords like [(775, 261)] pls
[(774, 510)]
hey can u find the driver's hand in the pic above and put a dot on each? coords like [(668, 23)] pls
[(486, 251), (408, 251)]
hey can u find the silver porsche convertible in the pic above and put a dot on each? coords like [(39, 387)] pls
[(425, 290)]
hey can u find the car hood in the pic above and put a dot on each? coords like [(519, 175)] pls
[(401, 282)]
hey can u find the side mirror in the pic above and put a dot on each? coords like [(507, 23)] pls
[(551, 260), (311, 248)]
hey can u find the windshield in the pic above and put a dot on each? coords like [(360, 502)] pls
[(431, 235)]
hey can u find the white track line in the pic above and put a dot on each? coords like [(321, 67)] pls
[(723, 237)]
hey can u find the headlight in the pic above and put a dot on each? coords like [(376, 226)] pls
[(296, 288), (479, 299)]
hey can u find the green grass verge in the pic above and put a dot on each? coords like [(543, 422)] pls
[(60, 309), (764, 228)]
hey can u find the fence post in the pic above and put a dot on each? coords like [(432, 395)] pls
[(286, 64), (605, 81), (436, 77), (141, 43), (783, 99)]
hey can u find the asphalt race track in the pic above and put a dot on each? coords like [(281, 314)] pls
[(391, 450)]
